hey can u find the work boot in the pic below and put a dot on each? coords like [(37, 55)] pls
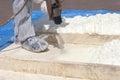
[(35, 44)]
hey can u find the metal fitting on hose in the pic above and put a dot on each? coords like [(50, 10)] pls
[(56, 13), (54, 10)]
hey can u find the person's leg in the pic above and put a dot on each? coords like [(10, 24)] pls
[(23, 25), (24, 30)]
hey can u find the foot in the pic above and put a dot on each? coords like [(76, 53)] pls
[(35, 44)]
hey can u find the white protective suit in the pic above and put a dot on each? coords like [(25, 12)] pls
[(23, 25)]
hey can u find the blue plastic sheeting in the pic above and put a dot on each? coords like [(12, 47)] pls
[(73, 13), (7, 32), (6, 35)]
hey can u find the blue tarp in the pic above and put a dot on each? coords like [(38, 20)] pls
[(7, 32)]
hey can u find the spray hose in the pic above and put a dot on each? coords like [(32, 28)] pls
[(14, 15)]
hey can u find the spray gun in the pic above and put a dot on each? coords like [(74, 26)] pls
[(54, 11)]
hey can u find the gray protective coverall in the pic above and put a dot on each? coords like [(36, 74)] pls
[(23, 25)]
